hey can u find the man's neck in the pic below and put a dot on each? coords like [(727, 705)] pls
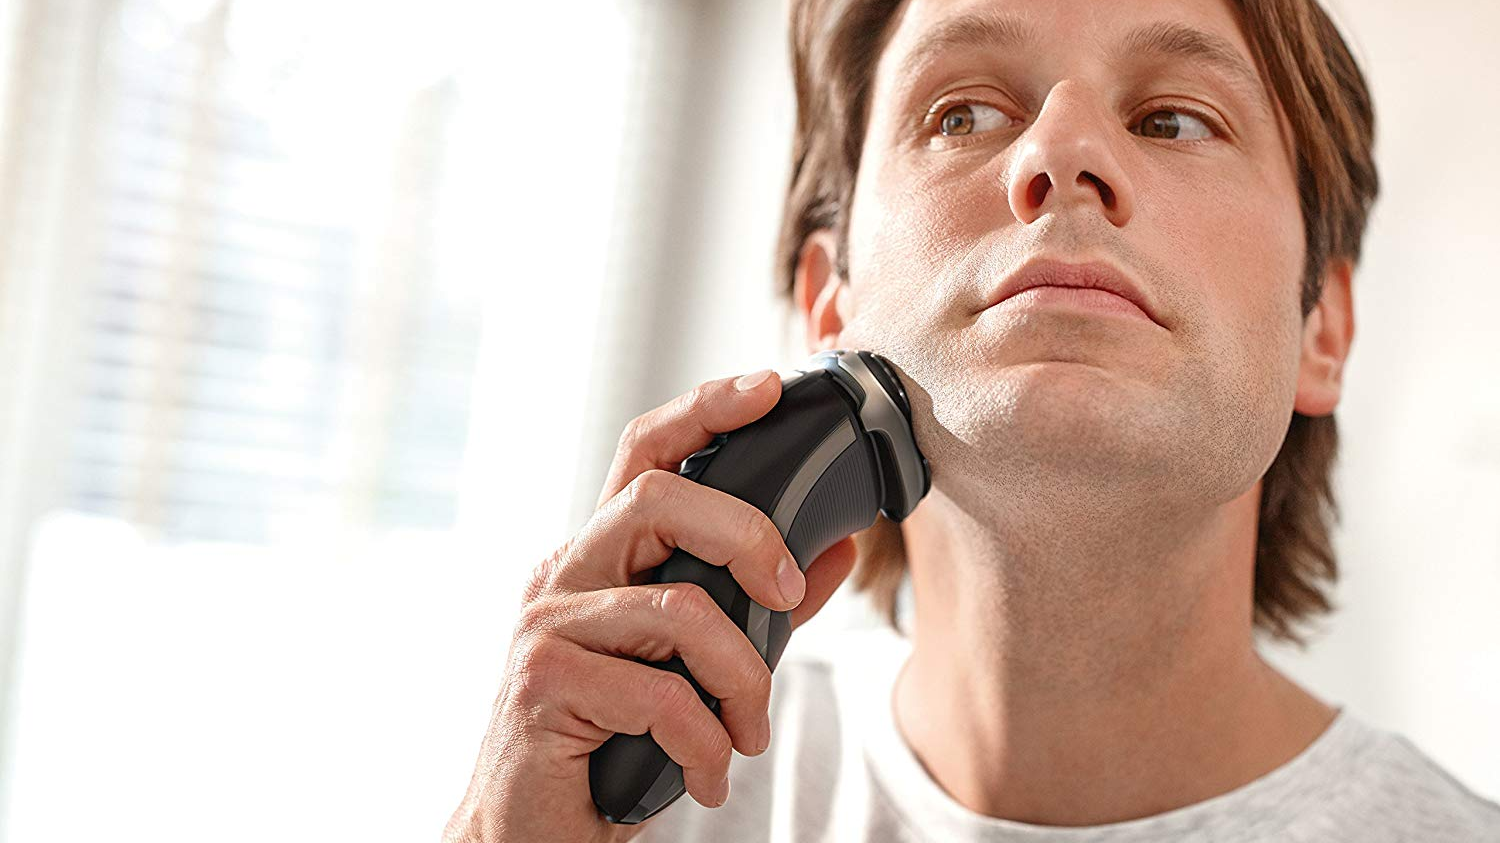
[(1089, 673)]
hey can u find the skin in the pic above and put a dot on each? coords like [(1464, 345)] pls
[(1082, 568)]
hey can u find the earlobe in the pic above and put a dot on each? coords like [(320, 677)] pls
[(817, 290), (1327, 336)]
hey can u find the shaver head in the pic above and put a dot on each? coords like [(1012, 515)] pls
[(885, 413)]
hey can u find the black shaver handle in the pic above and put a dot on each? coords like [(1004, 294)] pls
[(835, 450)]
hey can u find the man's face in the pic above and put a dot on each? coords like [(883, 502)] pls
[(1083, 141)]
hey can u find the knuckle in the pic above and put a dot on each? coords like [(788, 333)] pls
[(535, 617), (534, 650), (672, 694), (695, 400), (629, 498), (751, 522), (688, 605), (759, 536), (657, 482), (535, 666), (759, 680), (631, 436), (652, 484), (759, 532)]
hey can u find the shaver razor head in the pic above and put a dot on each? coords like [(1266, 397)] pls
[(885, 414)]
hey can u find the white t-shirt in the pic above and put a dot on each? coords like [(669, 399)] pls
[(838, 770)]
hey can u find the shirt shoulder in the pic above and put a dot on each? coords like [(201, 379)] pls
[(1359, 782), (1401, 789)]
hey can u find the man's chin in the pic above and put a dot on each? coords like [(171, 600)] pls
[(1084, 383), (1068, 419)]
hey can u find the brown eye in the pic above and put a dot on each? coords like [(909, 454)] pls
[(1168, 123), (967, 118), (958, 120)]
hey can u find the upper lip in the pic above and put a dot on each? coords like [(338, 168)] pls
[(1099, 275)]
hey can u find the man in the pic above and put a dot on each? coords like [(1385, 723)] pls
[(1126, 485), (1085, 570)]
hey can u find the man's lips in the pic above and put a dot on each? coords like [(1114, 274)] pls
[(1093, 284), (1092, 299)]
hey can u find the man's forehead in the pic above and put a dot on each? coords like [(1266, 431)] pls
[(1203, 31), (1221, 15), (1019, 22)]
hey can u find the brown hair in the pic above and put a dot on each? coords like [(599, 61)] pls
[(834, 48)]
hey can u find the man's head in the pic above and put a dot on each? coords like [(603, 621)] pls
[(1219, 153)]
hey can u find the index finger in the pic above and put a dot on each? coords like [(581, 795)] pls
[(664, 437)]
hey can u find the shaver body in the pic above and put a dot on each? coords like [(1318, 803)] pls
[(836, 449)]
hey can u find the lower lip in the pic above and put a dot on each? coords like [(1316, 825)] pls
[(1077, 297)]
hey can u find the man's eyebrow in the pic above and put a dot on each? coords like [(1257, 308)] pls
[(1163, 38), (1166, 38), (975, 29)]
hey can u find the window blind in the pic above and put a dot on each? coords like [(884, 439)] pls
[(252, 365)]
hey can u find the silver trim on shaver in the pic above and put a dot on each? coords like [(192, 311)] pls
[(669, 779)]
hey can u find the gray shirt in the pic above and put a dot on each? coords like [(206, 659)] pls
[(838, 770)]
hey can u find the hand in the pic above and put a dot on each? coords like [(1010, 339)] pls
[(569, 680)]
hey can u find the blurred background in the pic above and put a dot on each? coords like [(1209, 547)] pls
[(320, 321)]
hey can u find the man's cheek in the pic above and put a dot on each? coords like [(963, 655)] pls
[(933, 214)]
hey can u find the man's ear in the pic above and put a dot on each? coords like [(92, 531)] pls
[(1326, 336), (821, 295)]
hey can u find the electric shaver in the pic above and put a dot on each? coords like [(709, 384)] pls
[(836, 448)]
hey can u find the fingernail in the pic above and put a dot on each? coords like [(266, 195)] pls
[(765, 733), (751, 381), (722, 794), (790, 580)]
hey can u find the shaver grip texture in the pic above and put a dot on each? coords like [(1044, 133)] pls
[(843, 502)]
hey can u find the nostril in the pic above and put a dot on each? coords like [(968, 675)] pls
[(1104, 192), (1037, 190)]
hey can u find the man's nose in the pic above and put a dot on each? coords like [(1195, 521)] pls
[(1067, 160)]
